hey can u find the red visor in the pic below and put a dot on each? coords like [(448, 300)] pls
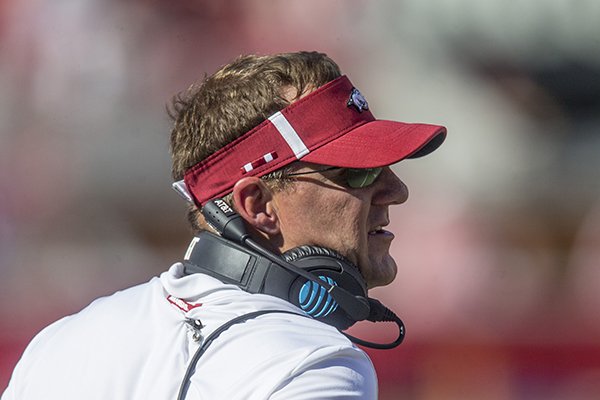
[(330, 126)]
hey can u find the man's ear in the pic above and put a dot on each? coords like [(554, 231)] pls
[(254, 202)]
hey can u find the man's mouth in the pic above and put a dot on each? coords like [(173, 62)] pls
[(378, 230)]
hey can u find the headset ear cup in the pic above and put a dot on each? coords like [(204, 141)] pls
[(334, 269), (327, 259)]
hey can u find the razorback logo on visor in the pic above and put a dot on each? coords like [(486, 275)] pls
[(357, 100)]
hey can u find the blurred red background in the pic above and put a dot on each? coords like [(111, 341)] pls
[(497, 247)]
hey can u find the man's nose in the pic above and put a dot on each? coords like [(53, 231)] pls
[(389, 189)]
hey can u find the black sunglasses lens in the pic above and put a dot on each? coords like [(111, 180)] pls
[(363, 177)]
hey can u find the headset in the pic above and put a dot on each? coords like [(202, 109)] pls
[(320, 281)]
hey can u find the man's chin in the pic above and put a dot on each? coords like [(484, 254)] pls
[(382, 272)]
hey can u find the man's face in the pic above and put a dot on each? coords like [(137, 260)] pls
[(321, 209)]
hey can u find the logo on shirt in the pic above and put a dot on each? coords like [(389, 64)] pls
[(182, 304)]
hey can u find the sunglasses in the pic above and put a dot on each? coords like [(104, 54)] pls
[(355, 177)]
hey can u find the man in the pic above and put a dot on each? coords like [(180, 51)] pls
[(292, 146)]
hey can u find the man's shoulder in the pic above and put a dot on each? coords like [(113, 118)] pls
[(286, 355)]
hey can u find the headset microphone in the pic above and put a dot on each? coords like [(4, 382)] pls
[(224, 220), (332, 290)]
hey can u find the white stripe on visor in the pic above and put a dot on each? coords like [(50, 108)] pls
[(267, 158), (248, 167), (289, 134)]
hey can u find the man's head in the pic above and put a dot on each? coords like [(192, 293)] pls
[(258, 129), (234, 100)]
